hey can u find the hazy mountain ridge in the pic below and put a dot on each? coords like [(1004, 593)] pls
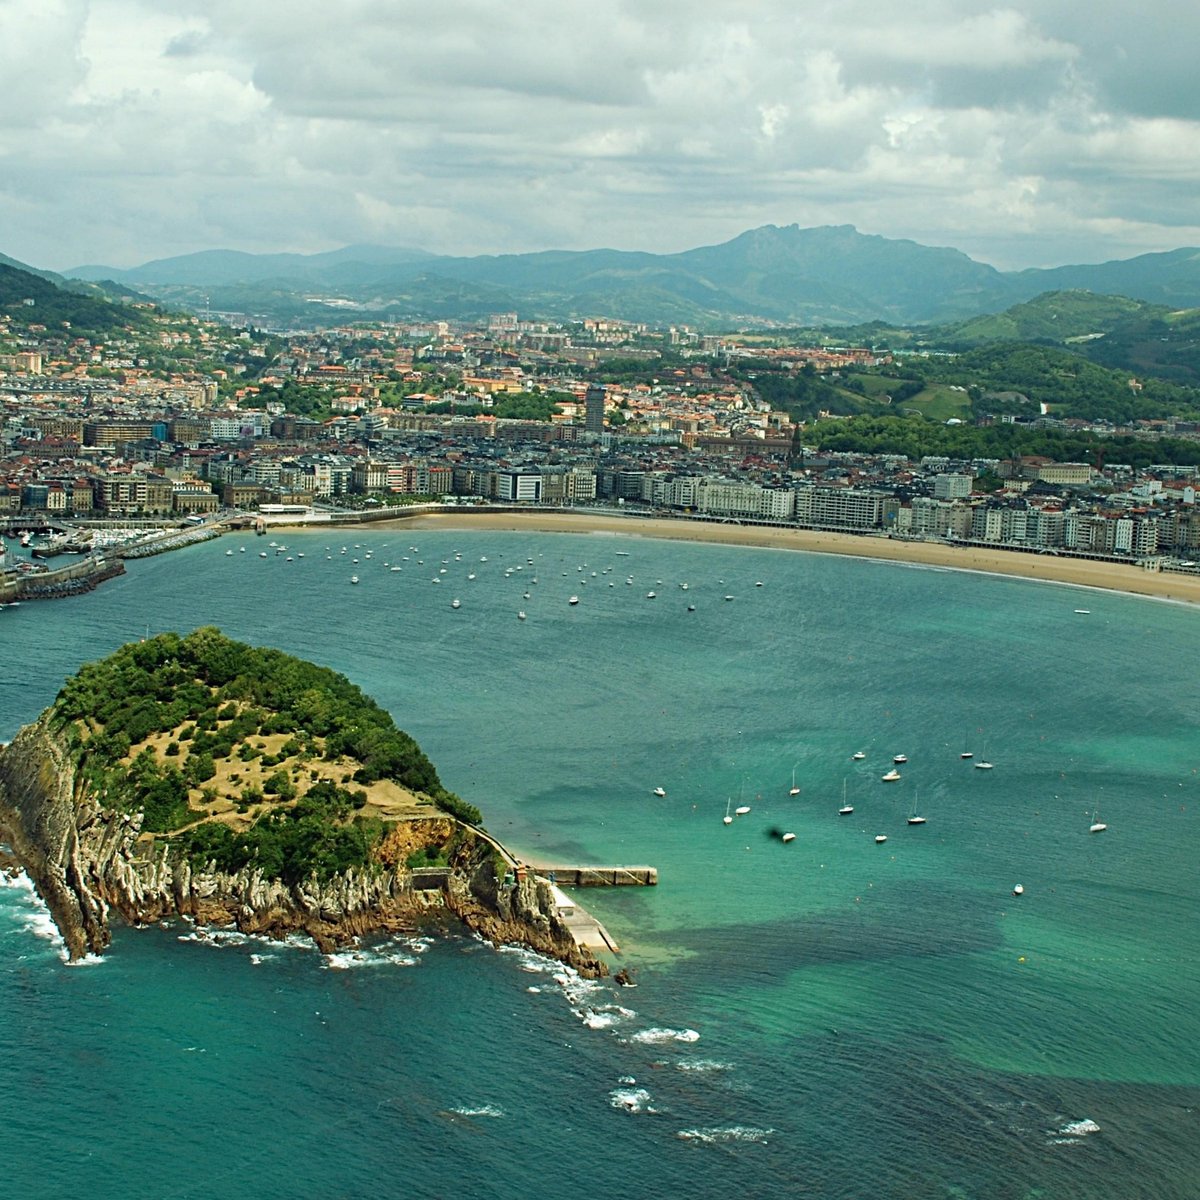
[(789, 275)]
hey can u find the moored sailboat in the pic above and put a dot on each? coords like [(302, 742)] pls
[(846, 808), (913, 818)]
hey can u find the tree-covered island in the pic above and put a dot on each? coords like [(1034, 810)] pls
[(198, 776)]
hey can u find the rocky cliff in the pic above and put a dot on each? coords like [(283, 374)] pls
[(88, 862)]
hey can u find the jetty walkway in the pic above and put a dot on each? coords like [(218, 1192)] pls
[(583, 927)]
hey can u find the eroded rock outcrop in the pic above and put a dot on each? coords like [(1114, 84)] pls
[(88, 862)]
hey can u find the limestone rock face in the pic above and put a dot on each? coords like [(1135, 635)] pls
[(87, 862)]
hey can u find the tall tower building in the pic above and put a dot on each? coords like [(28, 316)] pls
[(594, 409)]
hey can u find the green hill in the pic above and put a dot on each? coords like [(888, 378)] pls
[(29, 299), (1057, 317)]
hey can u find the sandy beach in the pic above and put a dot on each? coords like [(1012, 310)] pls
[(1115, 577)]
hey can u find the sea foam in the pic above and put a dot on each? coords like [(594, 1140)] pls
[(631, 1100), (716, 1135), (658, 1036)]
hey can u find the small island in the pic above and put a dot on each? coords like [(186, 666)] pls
[(239, 786)]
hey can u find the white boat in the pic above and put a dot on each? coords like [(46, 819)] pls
[(684, 586), (353, 578), (794, 790), (742, 809), (262, 554), (691, 608), (913, 819), (789, 837), (846, 808), (228, 553), (241, 549), (758, 583), (859, 755), (728, 818), (880, 838), (728, 597), (891, 776), (899, 758), (1083, 612), (521, 615), (658, 791), (649, 595), (455, 603), (983, 765), (1096, 826), (1018, 890), (573, 600)]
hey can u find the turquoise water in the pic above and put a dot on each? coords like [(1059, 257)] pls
[(830, 1017)]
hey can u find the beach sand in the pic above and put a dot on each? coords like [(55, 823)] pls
[(1115, 577)]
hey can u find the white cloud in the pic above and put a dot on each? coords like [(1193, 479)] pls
[(135, 128)]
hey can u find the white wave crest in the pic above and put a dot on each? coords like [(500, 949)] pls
[(631, 1100), (1073, 1132), (659, 1036), (482, 1110), (702, 1065), (376, 956), (88, 960), (716, 1135), (31, 912)]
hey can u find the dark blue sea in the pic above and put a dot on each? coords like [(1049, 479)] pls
[(832, 1017)]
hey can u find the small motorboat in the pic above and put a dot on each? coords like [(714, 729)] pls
[(880, 838), (658, 791), (891, 776), (789, 837)]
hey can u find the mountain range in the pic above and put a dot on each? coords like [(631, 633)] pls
[(770, 275)]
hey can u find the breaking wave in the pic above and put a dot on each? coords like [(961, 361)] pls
[(717, 1135)]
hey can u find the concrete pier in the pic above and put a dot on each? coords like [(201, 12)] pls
[(591, 876)]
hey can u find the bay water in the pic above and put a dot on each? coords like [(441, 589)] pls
[(830, 1016)]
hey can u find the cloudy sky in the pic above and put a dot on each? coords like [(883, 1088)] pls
[(1030, 135)]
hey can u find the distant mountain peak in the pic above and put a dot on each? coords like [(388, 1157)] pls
[(827, 274)]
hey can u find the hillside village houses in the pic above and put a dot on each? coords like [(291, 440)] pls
[(132, 442)]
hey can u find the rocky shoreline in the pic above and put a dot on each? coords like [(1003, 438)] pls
[(88, 863)]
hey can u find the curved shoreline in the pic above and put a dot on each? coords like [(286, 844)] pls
[(1048, 568)]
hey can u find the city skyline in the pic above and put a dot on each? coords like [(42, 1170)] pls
[(1025, 136)]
